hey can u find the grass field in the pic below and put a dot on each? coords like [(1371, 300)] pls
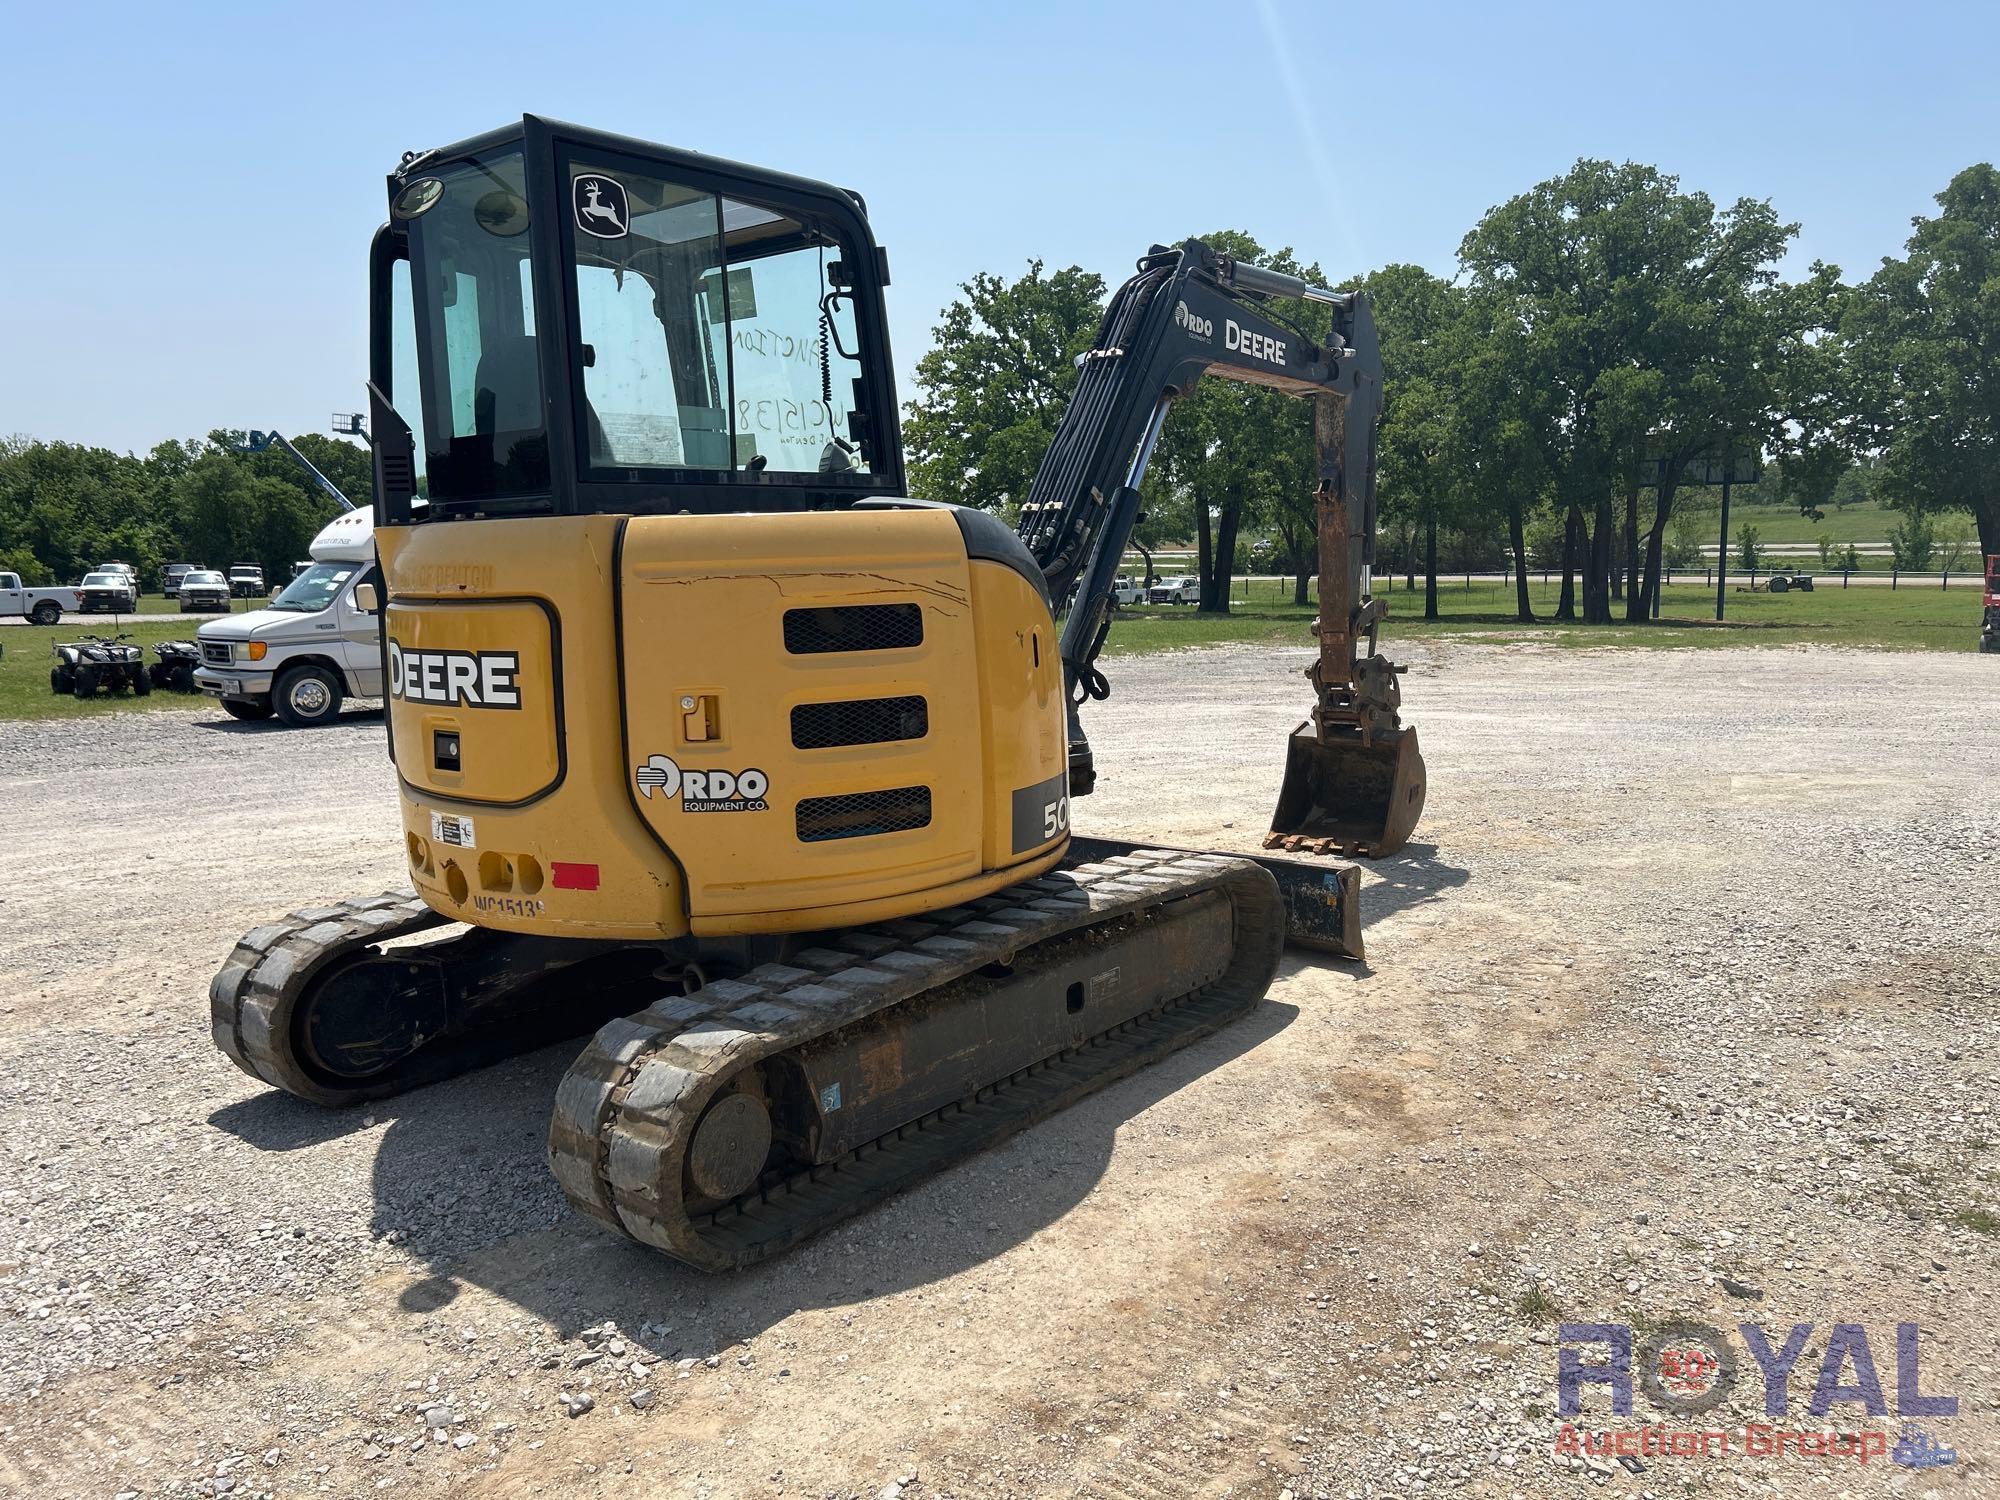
[(1911, 619), (155, 604), (24, 668), (1862, 521)]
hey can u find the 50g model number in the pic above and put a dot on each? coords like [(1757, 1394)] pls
[(1055, 817)]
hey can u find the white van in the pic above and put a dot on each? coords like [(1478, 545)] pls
[(313, 645)]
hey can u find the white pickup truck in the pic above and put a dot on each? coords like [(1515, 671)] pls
[(43, 606)]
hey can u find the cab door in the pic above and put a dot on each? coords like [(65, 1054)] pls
[(361, 636)]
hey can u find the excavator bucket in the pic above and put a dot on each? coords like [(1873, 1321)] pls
[(1343, 796)]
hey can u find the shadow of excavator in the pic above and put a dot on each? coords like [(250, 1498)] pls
[(1413, 876), (462, 1183), (349, 714)]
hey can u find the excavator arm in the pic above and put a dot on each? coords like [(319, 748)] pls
[(1354, 777)]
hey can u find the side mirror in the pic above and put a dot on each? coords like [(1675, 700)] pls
[(365, 598)]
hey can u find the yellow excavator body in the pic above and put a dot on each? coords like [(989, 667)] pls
[(642, 727)]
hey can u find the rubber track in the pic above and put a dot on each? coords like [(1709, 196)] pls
[(250, 999), (626, 1110)]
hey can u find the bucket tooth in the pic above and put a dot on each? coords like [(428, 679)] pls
[(1341, 794)]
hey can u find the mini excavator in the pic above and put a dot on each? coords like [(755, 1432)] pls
[(708, 737)]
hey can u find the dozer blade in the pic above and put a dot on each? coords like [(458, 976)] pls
[(1322, 901), (1343, 797)]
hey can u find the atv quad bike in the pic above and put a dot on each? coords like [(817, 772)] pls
[(98, 661), (175, 668)]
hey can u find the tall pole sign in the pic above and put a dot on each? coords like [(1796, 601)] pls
[(1722, 548)]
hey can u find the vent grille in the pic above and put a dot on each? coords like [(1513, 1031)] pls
[(860, 721), (212, 652), (399, 474), (853, 627), (860, 814)]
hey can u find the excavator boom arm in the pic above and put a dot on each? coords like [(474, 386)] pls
[(1191, 311)]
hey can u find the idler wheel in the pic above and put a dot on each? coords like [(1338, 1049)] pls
[(730, 1146)]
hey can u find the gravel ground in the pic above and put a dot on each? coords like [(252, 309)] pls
[(1684, 1007)]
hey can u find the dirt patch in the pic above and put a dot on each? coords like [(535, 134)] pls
[(1690, 981)]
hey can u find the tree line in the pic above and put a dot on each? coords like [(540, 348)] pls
[(66, 507), (1608, 340)]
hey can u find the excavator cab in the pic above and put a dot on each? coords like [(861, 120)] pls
[(597, 325)]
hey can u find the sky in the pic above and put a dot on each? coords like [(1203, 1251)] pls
[(186, 207)]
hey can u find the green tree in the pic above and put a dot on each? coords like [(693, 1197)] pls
[(1924, 332), (34, 572), (1421, 455), (348, 465), (996, 382), (211, 509), (1686, 534), (1749, 549), (1955, 540), (72, 506), (1494, 448), (1545, 540), (1912, 540), (1855, 485), (1629, 313), (1746, 369)]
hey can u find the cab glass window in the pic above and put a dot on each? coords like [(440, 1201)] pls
[(482, 411), (314, 589), (713, 334), (791, 343)]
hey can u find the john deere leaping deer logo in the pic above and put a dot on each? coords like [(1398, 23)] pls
[(601, 206)]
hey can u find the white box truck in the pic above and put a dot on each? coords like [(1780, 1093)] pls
[(314, 645)]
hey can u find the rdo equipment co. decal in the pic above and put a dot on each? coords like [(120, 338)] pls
[(702, 791)]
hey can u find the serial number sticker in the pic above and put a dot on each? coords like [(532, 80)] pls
[(449, 829)]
